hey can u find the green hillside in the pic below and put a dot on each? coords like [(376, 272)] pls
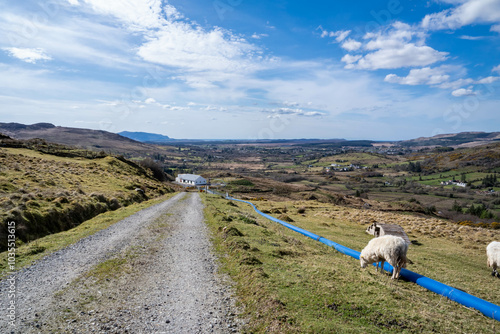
[(47, 188)]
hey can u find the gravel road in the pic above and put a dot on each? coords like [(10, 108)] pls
[(153, 272)]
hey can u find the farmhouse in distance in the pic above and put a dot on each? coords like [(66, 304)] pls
[(190, 180)]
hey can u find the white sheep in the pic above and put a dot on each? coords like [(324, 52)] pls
[(493, 254), (388, 248)]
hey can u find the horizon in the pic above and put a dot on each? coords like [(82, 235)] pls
[(238, 70), (257, 139)]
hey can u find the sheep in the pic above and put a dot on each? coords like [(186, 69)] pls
[(388, 248), (493, 254)]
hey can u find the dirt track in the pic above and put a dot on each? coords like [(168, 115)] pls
[(152, 272)]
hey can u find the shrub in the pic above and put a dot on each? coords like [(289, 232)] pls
[(456, 207), (242, 182), (155, 168), (495, 225), (430, 209)]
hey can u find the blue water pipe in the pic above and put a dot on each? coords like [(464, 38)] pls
[(488, 309)]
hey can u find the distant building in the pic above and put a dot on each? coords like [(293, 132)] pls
[(190, 180), (455, 183)]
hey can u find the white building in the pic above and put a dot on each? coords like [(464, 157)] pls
[(453, 182), (190, 180)]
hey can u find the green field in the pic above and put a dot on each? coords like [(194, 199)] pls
[(288, 283)]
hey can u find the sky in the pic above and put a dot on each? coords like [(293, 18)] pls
[(260, 69)]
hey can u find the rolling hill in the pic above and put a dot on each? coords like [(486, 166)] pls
[(462, 139), (145, 137), (47, 188), (96, 140)]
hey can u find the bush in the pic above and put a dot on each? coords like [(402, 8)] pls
[(242, 182), (430, 209), (480, 211), (456, 207), (156, 168), (495, 225)]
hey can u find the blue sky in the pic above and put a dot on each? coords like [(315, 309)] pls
[(382, 70)]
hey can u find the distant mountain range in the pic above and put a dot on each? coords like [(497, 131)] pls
[(95, 140), (462, 139), (145, 137), (140, 143)]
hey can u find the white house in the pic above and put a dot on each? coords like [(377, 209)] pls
[(453, 182), (190, 179)]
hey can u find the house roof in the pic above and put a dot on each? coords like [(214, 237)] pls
[(190, 177)]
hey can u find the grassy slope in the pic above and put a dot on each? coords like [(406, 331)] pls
[(30, 252), (45, 193), (291, 284)]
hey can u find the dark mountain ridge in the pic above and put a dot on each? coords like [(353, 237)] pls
[(145, 137), (96, 140)]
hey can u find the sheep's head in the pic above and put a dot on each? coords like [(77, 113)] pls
[(363, 261)]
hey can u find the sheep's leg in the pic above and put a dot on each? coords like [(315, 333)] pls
[(381, 264), (395, 272)]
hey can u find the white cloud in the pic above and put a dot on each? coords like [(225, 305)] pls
[(201, 56), (171, 12), (456, 83), (397, 46), (28, 55), (137, 14), (150, 101), (472, 38), (408, 55), (422, 76), (293, 111), (349, 59), (259, 36), (467, 12), (496, 69), (182, 45), (463, 92), (351, 45), (488, 80), (339, 35), (291, 104), (71, 39), (495, 28)]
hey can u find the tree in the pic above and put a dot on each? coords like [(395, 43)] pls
[(490, 180), (456, 207), (414, 167)]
